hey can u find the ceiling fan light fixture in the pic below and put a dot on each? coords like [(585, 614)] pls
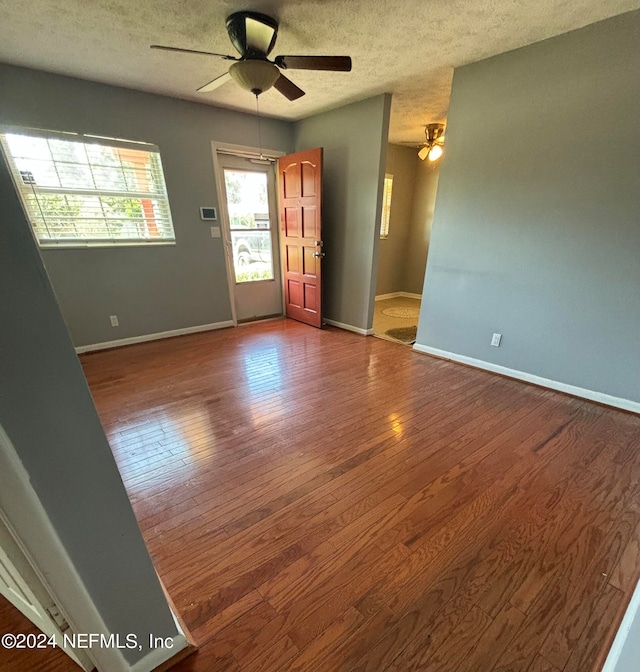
[(432, 148), (254, 75), (435, 153)]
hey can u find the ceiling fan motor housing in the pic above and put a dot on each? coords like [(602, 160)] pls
[(253, 34), (433, 132)]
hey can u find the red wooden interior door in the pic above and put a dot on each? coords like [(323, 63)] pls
[(300, 186)]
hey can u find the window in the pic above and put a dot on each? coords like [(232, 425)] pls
[(250, 224), (386, 206), (80, 190)]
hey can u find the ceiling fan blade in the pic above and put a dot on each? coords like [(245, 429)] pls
[(215, 83), (288, 89), (333, 63), (194, 51)]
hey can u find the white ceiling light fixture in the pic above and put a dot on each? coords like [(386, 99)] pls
[(432, 148), (254, 75)]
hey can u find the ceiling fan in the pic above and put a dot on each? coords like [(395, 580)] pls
[(254, 35), (432, 148)]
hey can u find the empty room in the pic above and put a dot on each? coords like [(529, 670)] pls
[(207, 461)]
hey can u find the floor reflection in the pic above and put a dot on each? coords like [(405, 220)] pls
[(179, 436), (263, 375)]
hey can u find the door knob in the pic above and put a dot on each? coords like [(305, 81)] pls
[(318, 255)]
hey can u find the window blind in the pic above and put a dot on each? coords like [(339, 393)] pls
[(84, 190), (386, 206)]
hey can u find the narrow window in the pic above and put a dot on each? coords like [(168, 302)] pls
[(386, 206)]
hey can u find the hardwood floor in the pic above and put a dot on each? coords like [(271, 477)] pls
[(316, 500)]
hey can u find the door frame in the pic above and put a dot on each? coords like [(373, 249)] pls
[(245, 152), (24, 517), (42, 610)]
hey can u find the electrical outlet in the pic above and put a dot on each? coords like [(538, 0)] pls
[(114, 320), (215, 232), (495, 340)]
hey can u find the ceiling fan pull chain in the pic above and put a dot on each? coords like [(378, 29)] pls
[(259, 131)]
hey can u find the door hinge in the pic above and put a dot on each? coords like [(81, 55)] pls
[(57, 617)]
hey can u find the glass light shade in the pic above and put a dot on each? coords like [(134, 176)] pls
[(435, 153), (254, 75), (424, 151)]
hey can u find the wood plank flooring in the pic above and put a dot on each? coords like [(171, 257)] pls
[(316, 500)]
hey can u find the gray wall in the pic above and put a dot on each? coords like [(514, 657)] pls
[(394, 250), (151, 289), (402, 257), (536, 232), (354, 138), (424, 200), (48, 413)]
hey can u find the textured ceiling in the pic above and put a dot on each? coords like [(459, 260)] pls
[(406, 47)]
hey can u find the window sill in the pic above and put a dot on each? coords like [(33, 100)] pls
[(82, 246)]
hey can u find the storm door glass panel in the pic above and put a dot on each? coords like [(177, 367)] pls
[(249, 223)]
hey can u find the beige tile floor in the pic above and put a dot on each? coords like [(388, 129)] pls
[(382, 322)]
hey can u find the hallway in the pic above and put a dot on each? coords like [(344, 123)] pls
[(396, 319)]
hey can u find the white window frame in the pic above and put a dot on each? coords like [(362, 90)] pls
[(386, 206), (158, 195)]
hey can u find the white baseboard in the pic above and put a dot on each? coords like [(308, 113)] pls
[(153, 337), (624, 635), (395, 295), (261, 320), (349, 327), (600, 397)]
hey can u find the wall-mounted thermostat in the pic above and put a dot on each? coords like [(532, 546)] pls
[(208, 213)]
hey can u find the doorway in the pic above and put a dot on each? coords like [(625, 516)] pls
[(250, 232), (405, 230)]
